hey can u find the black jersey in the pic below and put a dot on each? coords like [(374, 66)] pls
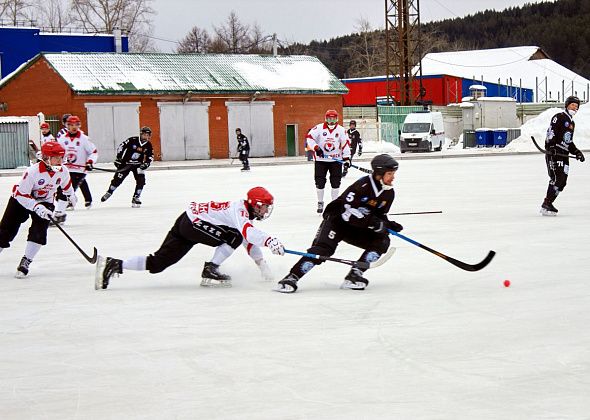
[(243, 144), (560, 134), (361, 202), (355, 137), (135, 151)]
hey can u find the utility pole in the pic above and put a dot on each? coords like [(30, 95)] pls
[(403, 52)]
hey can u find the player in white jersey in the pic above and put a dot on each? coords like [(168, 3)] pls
[(45, 133), (33, 196), (223, 225), (81, 154), (329, 141)]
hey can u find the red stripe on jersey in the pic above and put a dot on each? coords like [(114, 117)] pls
[(17, 193), (248, 248), (309, 137), (246, 226)]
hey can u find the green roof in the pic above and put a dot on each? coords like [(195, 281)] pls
[(125, 73)]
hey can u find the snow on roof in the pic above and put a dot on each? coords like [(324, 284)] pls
[(517, 63), (100, 73), (477, 87), (11, 120)]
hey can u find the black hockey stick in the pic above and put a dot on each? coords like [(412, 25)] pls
[(549, 153), (416, 212), (359, 264), (365, 170), (124, 168), (456, 263), (90, 259)]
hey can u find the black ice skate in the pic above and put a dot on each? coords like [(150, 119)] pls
[(23, 268), (212, 277), (548, 209), (320, 207), (354, 280), (105, 270), (88, 204), (288, 284), (106, 196), (245, 168), (135, 203)]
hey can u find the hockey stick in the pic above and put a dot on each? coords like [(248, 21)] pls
[(549, 153), (90, 259), (365, 170), (359, 264), (456, 263), (124, 168), (416, 212)]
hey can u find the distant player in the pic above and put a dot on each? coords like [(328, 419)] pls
[(329, 141), (133, 155), (223, 225), (560, 140), (243, 149), (355, 142), (81, 155), (358, 217), (33, 197), (45, 133)]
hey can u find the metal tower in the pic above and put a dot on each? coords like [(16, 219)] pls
[(403, 52)]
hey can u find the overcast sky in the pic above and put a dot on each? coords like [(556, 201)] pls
[(298, 20)]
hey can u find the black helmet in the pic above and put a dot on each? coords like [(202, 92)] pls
[(383, 163), (145, 129), (65, 117), (352, 122), (572, 100)]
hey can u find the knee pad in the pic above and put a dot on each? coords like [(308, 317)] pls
[(335, 181), (154, 265), (320, 182)]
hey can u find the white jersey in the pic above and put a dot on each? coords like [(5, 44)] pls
[(46, 138), (38, 185), (334, 143), (233, 214), (79, 151)]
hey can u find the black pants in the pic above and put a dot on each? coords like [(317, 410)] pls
[(331, 232), (138, 174), (557, 168), (14, 216), (244, 159), (178, 242), (321, 169), (79, 180)]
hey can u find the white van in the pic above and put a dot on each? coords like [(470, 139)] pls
[(422, 130)]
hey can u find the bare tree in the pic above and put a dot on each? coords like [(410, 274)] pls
[(259, 43), (15, 10), (367, 52), (234, 35), (196, 41), (53, 14), (131, 16)]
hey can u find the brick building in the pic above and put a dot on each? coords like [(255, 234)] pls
[(192, 102)]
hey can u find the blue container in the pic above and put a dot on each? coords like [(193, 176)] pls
[(484, 137), (500, 137)]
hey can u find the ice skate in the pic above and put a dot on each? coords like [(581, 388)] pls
[(288, 284), (88, 204), (320, 207), (548, 209), (245, 168), (69, 207), (106, 268), (354, 280), (135, 203), (212, 277), (23, 268), (106, 196)]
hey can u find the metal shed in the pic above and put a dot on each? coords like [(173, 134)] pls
[(14, 143)]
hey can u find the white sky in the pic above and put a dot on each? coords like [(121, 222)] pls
[(301, 20)]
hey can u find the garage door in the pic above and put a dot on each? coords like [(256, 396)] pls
[(256, 121), (184, 130), (109, 124)]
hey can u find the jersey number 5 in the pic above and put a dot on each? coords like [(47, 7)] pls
[(350, 197)]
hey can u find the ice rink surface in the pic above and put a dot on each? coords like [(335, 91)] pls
[(426, 340)]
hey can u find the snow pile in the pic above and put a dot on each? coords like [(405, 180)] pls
[(379, 147)]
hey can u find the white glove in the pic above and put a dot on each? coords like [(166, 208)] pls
[(265, 270), (42, 211), (276, 247)]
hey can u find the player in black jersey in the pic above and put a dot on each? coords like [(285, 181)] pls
[(243, 149), (358, 217), (355, 142), (133, 155), (560, 141)]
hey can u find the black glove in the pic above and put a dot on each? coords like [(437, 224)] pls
[(89, 166), (396, 227), (377, 225), (345, 169), (118, 163), (580, 156), (144, 166), (318, 151), (360, 149)]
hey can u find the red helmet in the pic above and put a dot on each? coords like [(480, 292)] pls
[(73, 119), (52, 148), (260, 202), (44, 125), (331, 117)]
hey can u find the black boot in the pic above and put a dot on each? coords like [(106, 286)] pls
[(288, 284), (547, 208), (212, 277), (23, 267), (112, 267), (354, 280), (135, 203)]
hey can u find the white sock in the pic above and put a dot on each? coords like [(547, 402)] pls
[(135, 263), (32, 249), (320, 194), (222, 252), (60, 206), (335, 193)]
